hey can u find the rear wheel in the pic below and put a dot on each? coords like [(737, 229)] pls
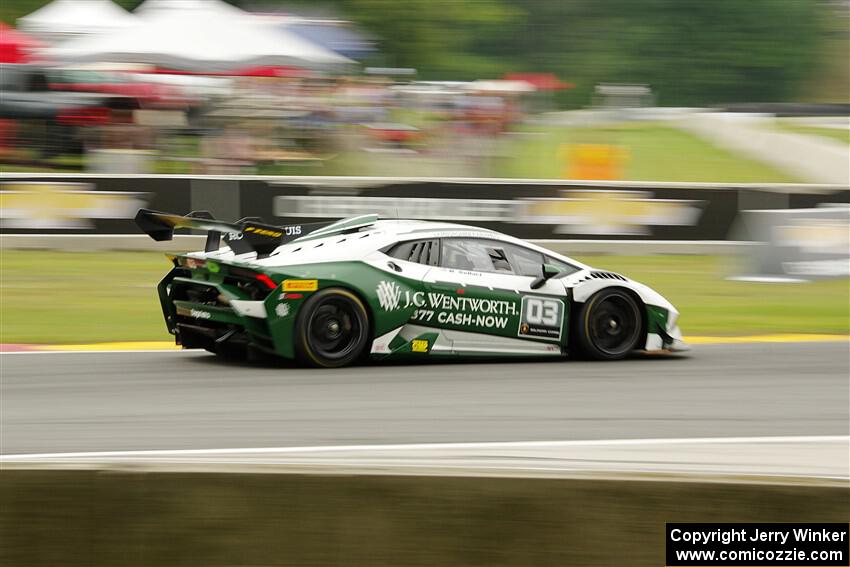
[(609, 324), (332, 329)]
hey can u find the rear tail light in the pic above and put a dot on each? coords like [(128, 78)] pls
[(257, 284), (265, 280), (88, 116), (257, 280)]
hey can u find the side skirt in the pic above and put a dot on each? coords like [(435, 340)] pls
[(450, 342)]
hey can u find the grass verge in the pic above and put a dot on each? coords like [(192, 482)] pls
[(712, 305), (80, 297)]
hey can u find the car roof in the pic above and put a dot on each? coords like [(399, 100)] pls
[(402, 227), (357, 245)]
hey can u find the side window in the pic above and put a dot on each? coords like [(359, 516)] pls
[(524, 261), (420, 251), (482, 255), (475, 254), (566, 269)]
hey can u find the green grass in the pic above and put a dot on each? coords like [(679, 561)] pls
[(840, 134), (711, 305), (78, 297), (654, 153), (56, 297)]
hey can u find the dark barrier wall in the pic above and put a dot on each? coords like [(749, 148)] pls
[(532, 209), (109, 518)]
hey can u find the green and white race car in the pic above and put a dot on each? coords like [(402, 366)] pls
[(331, 294)]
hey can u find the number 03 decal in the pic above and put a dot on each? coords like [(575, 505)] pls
[(542, 318)]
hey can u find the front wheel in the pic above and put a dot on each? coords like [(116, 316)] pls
[(332, 329), (608, 325)]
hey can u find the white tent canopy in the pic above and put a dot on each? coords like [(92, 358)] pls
[(208, 6), (198, 35), (65, 18)]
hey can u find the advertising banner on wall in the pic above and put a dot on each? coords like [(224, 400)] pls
[(796, 244), (56, 205), (585, 212), (531, 209)]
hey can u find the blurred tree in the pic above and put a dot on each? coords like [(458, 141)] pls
[(11, 10), (435, 37), (691, 52)]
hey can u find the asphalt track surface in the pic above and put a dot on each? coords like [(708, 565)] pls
[(69, 402)]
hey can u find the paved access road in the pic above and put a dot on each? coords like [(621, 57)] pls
[(187, 400)]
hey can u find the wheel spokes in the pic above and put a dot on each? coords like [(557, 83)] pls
[(334, 328), (614, 324)]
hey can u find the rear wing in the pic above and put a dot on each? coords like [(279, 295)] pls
[(243, 236)]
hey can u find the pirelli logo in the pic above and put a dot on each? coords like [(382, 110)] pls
[(300, 285)]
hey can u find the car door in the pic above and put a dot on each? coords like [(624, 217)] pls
[(480, 296)]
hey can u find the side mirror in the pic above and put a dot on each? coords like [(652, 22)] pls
[(548, 271)]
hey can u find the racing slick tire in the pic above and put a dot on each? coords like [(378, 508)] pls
[(332, 329), (609, 325)]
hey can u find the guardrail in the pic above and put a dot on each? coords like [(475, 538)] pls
[(189, 243)]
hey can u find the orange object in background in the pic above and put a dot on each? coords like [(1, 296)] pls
[(593, 161)]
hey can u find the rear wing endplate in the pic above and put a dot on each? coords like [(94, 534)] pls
[(243, 236)]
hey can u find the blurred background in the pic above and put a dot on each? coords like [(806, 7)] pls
[(583, 89), (689, 128), (700, 147)]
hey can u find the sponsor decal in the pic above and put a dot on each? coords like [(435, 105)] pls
[(262, 231), (283, 296), (464, 272), (389, 295), (538, 317), (447, 309), (276, 232), (419, 345), (196, 313), (465, 319), (460, 311), (542, 318), (282, 310), (300, 285)]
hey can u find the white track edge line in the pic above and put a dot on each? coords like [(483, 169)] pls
[(426, 446)]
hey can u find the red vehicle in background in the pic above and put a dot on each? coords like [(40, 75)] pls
[(148, 95), (51, 122)]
